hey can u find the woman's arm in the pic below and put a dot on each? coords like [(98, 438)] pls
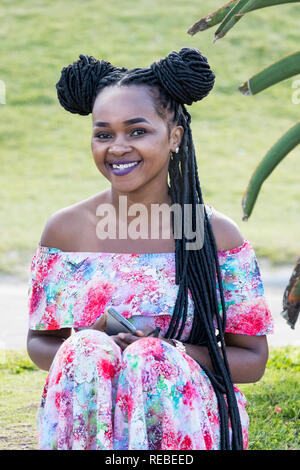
[(43, 345), (247, 356), (58, 233)]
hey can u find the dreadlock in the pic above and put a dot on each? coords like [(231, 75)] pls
[(181, 79)]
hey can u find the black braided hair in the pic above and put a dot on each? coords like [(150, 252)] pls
[(180, 79), (81, 81)]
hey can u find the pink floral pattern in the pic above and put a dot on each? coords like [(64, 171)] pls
[(72, 289), (152, 396)]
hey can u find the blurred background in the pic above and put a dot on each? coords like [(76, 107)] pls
[(45, 156)]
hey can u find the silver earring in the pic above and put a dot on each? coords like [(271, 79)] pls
[(177, 150)]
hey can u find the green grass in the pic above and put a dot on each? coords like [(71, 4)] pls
[(46, 161), (273, 403), (21, 386)]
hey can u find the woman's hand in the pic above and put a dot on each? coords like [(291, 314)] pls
[(122, 339), (125, 339), (100, 323)]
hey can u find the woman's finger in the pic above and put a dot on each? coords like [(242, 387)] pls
[(127, 337), (100, 323), (119, 342)]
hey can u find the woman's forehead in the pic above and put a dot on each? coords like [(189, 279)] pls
[(124, 101)]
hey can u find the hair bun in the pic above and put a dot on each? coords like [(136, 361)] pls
[(79, 81), (185, 75)]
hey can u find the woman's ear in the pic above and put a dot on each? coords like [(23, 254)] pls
[(176, 137)]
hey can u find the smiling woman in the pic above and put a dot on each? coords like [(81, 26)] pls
[(175, 390), (122, 167), (122, 146)]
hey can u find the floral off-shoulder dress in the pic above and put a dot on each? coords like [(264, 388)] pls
[(150, 396)]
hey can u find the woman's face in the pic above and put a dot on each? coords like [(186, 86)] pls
[(128, 131)]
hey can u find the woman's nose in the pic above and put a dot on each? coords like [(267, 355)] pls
[(119, 149), (119, 145)]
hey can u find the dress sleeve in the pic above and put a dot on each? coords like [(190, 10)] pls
[(60, 294), (247, 311)]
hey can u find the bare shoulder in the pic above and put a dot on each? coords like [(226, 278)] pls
[(59, 228), (226, 232), (67, 228)]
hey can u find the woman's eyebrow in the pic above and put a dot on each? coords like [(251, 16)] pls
[(136, 120), (129, 121)]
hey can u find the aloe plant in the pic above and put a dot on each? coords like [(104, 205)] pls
[(291, 297), (215, 17), (273, 157), (282, 69), (229, 15), (238, 11), (233, 16), (212, 18)]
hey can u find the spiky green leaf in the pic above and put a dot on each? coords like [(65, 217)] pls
[(289, 140)]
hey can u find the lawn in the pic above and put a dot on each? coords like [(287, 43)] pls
[(46, 161), (273, 403)]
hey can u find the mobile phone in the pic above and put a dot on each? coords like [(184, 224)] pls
[(116, 323)]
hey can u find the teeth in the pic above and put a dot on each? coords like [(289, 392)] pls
[(124, 165)]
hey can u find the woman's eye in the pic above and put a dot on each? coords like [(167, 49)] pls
[(134, 133), (102, 135), (138, 132)]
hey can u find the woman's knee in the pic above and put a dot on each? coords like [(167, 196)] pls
[(155, 356), (147, 354), (88, 346), (89, 339), (144, 347)]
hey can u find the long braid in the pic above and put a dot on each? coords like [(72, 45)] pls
[(181, 79)]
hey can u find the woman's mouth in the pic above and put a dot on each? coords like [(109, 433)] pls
[(122, 168)]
